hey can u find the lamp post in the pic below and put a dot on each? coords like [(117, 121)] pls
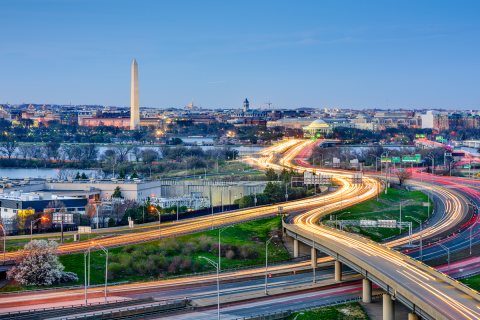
[(4, 238), (220, 246), (314, 256), (218, 283), (346, 158), (337, 216), (421, 244), (159, 223), (448, 255), (473, 225), (266, 261), (386, 171), (106, 266), (86, 285), (315, 177), (31, 227)]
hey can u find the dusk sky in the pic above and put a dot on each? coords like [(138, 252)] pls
[(321, 54)]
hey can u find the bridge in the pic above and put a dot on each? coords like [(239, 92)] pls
[(472, 143), (430, 294)]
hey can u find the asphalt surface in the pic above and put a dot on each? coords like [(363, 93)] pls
[(273, 305), (240, 287)]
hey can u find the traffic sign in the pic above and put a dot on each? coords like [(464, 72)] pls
[(396, 159), (457, 148), (412, 158), (467, 167), (84, 229), (386, 159)]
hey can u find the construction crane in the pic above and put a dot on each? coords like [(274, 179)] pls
[(269, 103)]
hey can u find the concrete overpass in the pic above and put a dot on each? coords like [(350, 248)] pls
[(472, 143), (426, 144), (430, 294)]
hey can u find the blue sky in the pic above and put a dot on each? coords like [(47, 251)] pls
[(328, 54)]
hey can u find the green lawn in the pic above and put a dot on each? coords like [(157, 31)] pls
[(472, 282), (143, 261), (387, 208), (349, 311), (176, 256)]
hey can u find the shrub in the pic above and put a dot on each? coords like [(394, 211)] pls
[(114, 270), (139, 267), (187, 264), (38, 265), (128, 249), (230, 254)]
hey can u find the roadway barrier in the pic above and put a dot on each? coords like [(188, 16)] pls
[(141, 312), (289, 312), (402, 294), (35, 314)]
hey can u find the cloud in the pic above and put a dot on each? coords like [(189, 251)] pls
[(216, 81)]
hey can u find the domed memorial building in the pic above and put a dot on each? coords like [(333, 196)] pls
[(317, 127)]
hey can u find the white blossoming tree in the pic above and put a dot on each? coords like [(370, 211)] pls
[(38, 265)]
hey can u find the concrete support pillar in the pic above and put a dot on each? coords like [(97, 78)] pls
[(314, 257), (338, 271), (367, 291), (388, 307), (412, 316), (295, 248)]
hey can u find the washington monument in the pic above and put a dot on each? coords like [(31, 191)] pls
[(134, 103)]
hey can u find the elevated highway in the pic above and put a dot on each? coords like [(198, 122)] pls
[(426, 291)]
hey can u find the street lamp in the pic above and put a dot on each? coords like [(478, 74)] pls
[(106, 267), (314, 178), (5, 236), (386, 170), (218, 282), (448, 253), (159, 222), (336, 216), (346, 158), (266, 261), (31, 226), (431, 157), (220, 245), (376, 160), (421, 243), (473, 225), (85, 262)]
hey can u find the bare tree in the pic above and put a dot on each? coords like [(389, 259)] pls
[(122, 151), (76, 153), (137, 152), (63, 173), (24, 152), (90, 152), (65, 151), (35, 152), (163, 151), (8, 147), (403, 176)]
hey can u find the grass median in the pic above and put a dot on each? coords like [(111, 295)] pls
[(339, 312), (387, 208), (241, 245)]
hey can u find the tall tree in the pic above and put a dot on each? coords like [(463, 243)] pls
[(8, 146)]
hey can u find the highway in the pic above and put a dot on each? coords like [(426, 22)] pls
[(440, 299), (448, 301)]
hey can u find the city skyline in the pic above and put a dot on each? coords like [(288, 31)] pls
[(415, 56)]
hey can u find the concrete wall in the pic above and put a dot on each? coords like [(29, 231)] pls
[(230, 191)]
